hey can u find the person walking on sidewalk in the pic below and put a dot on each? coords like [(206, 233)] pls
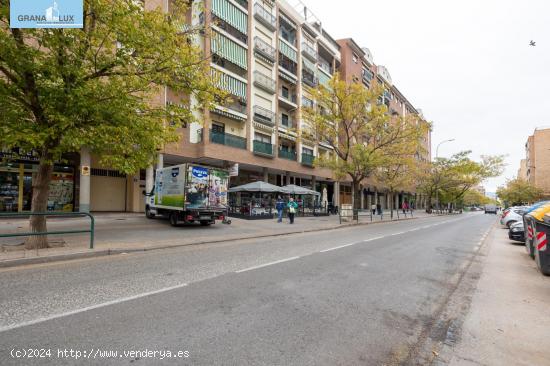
[(292, 206), (405, 207), (373, 208), (379, 208), (280, 205)]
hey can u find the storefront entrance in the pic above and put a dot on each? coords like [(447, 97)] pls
[(16, 187)]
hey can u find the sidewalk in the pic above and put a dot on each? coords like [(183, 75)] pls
[(509, 318), (125, 232)]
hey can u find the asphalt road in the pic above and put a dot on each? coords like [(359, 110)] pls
[(356, 296)]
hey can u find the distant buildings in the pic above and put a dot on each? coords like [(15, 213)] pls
[(535, 168)]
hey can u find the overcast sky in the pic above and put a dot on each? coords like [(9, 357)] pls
[(467, 64)]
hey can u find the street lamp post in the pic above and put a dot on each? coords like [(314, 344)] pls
[(436, 155)]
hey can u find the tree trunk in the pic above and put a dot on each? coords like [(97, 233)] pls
[(40, 190), (429, 203), (392, 200), (355, 195)]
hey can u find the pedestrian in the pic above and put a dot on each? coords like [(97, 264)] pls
[(405, 207), (379, 208), (373, 208), (280, 205), (292, 206)]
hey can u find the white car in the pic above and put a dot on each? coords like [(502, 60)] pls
[(513, 215)]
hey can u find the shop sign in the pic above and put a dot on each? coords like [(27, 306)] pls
[(85, 170), (199, 172), (234, 170), (19, 154)]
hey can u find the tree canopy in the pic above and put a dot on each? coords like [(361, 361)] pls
[(518, 192), (349, 118)]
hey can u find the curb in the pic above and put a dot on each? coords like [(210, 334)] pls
[(105, 252)]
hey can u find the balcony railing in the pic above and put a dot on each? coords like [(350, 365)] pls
[(264, 49), (367, 76), (264, 116), (307, 159), (265, 17), (310, 80), (325, 66), (265, 82), (287, 154), (227, 139), (287, 64), (262, 148), (243, 3), (288, 97), (309, 52)]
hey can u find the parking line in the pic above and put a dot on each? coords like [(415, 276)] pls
[(266, 264)]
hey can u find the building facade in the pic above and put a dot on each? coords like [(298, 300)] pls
[(537, 159), (267, 55)]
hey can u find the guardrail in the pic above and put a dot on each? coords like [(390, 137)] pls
[(58, 232)]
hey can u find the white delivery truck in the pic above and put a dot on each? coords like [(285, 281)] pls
[(188, 193)]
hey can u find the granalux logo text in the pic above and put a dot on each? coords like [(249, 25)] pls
[(46, 13)]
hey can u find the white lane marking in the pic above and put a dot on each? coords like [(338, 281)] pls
[(266, 264), (375, 238), (88, 308), (338, 247)]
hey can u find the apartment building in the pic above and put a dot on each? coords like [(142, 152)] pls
[(537, 160), (358, 66), (522, 171), (267, 55)]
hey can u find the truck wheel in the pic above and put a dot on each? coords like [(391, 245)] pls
[(205, 223), (148, 213), (174, 219)]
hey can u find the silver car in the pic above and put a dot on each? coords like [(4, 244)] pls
[(515, 214)]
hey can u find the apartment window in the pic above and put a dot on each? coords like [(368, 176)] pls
[(306, 102), (218, 127), (284, 119), (307, 151), (285, 92), (262, 138), (355, 58)]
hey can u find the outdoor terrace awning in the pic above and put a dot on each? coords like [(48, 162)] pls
[(294, 189), (258, 186)]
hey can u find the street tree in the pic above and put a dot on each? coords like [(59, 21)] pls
[(450, 178), (518, 192), (349, 118), (401, 163), (64, 89), (474, 198)]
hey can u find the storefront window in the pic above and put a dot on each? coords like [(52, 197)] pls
[(16, 187)]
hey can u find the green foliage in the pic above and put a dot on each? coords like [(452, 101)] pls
[(519, 191), (62, 89), (362, 134), (473, 197), (450, 178)]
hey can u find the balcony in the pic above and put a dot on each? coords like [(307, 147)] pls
[(264, 82), (227, 139), (287, 154), (265, 17), (309, 52), (325, 66), (288, 64), (367, 77), (310, 80), (264, 116), (288, 99), (286, 122), (307, 159), (264, 49), (243, 3), (262, 148)]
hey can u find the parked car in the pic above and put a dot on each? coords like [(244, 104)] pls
[(517, 232), (513, 215)]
